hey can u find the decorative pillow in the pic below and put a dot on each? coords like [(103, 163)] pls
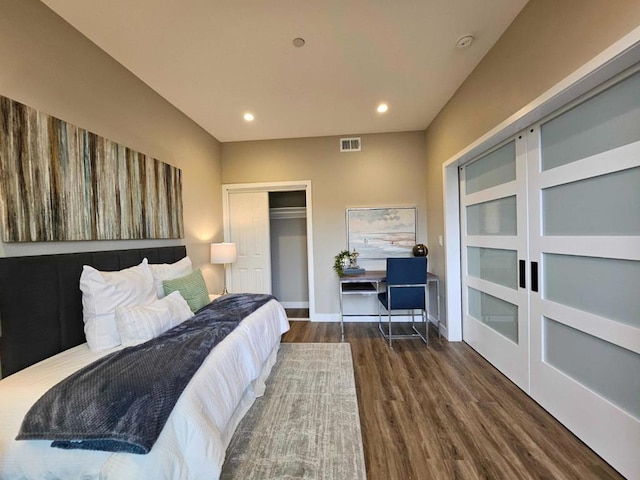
[(102, 292), (192, 288), (140, 323), (169, 271)]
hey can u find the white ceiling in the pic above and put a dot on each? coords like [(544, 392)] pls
[(217, 59)]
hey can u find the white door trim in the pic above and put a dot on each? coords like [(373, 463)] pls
[(621, 55), (278, 187)]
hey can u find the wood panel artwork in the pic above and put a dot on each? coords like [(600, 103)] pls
[(59, 182)]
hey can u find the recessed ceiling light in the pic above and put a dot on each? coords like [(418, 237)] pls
[(464, 42), (298, 42), (383, 107), (249, 117)]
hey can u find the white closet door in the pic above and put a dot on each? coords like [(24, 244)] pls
[(494, 246), (249, 229), (584, 174)]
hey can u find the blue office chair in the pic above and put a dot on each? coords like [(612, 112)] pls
[(406, 289)]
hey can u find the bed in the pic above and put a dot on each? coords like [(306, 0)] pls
[(43, 342)]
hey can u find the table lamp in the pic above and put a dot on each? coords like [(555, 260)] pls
[(224, 253)]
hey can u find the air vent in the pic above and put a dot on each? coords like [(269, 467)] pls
[(350, 144)]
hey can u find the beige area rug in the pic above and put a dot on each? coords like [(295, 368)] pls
[(307, 424)]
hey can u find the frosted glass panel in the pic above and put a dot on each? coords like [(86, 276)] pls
[(607, 369), (495, 265), (604, 205), (496, 168), (604, 286), (497, 314), (497, 217), (606, 121)]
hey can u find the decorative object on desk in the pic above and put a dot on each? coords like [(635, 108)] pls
[(420, 250), (381, 232), (346, 260), (224, 253), (352, 271)]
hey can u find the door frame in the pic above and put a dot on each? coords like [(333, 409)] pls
[(287, 186), (612, 61)]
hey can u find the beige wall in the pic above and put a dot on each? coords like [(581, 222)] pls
[(389, 171), (546, 42), (48, 65)]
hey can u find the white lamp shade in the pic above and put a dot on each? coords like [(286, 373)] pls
[(223, 252)]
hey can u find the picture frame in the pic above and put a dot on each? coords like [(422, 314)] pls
[(381, 232)]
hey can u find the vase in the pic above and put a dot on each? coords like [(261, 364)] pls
[(420, 250)]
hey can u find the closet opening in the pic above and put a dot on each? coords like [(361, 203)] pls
[(289, 263)]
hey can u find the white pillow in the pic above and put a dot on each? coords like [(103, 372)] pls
[(169, 271), (140, 323), (102, 292)]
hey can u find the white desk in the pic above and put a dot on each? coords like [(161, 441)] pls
[(368, 283)]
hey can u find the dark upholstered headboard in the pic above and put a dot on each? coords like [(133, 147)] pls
[(41, 302)]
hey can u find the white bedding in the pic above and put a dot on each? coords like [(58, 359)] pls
[(193, 442)]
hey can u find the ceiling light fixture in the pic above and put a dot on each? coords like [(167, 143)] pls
[(249, 117), (465, 41), (382, 108), (298, 42)]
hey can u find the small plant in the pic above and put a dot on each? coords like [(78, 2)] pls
[(344, 257)]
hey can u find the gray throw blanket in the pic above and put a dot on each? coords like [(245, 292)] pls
[(121, 402)]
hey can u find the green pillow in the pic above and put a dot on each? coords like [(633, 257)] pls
[(191, 287)]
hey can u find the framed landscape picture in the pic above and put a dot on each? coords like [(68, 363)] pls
[(377, 233)]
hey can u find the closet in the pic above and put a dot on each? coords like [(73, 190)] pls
[(550, 248), (272, 225), (288, 230)]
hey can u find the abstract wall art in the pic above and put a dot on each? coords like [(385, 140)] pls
[(378, 233), (59, 182)]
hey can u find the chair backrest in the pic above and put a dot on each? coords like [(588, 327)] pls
[(406, 271)]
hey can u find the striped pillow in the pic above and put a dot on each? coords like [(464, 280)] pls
[(140, 323)]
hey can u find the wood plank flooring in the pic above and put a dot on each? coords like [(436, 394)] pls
[(297, 313), (443, 412)]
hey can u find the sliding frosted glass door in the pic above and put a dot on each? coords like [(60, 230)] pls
[(584, 197), (494, 244)]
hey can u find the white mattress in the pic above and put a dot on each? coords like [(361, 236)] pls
[(193, 442)]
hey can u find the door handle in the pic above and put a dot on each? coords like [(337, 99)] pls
[(522, 273), (534, 276)]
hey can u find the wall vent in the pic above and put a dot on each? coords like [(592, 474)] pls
[(350, 144)]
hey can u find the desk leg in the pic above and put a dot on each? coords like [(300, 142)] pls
[(430, 315), (341, 314), (438, 300)]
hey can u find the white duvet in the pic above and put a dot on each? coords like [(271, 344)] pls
[(193, 442)]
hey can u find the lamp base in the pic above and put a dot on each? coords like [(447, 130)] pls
[(224, 290)]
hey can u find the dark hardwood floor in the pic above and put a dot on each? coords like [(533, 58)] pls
[(297, 313), (443, 412)]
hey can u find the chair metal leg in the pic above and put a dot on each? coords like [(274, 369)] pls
[(380, 328), (417, 331), (425, 321), (380, 320)]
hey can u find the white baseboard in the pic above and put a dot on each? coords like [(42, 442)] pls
[(335, 317), (295, 304), (443, 329), (325, 317)]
